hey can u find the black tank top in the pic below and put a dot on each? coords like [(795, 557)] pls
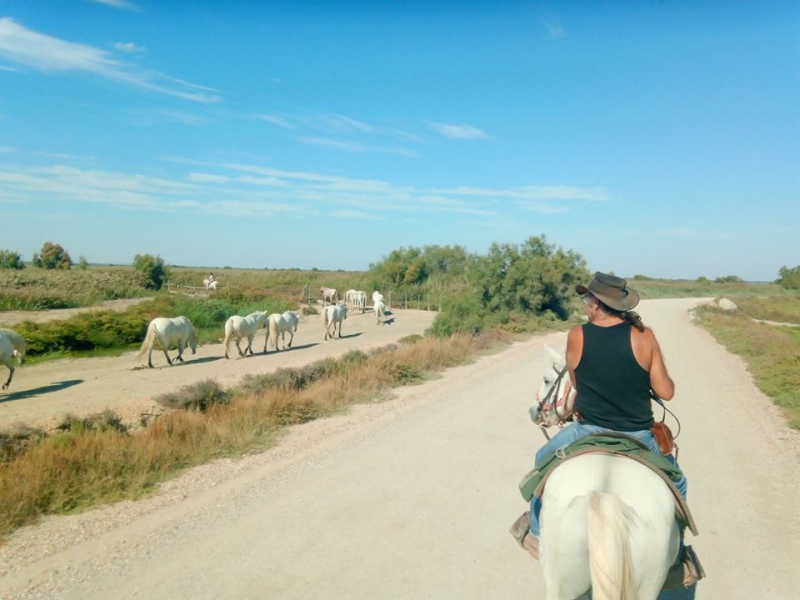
[(613, 389)]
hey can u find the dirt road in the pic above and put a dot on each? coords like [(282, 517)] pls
[(412, 498)]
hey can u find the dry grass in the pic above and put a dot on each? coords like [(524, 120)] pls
[(92, 462)]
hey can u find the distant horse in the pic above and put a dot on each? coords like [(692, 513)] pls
[(280, 325), (329, 295), (607, 522), (12, 345), (210, 284), (380, 311), (168, 331), (239, 327), (356, 299), (376, 297), (331, 315)]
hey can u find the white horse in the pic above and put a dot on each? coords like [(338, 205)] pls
[(376, 297), (331, 315), (329, 295), (12, 345), (280, 325), (607, 521), (238, 327), (210, 284), (168, 331), (380, 311)]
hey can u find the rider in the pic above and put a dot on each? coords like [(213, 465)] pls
[(616, 365)]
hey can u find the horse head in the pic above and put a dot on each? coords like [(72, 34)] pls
[(554, 402)]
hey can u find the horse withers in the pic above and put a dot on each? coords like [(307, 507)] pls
[(177, 331)]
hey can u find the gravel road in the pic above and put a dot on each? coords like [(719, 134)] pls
[(412, 497)]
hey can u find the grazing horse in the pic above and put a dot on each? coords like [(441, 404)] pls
[(280, 325), (331, 315), (607, 521), (12, 345), (168, 331), (380, 311), (329, 295), (239, 327)]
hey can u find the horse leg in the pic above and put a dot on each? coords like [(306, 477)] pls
[(180, 352), (10, 374), (238, 347), (249, 344), (291, 338)]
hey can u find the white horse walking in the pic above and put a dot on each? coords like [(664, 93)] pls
[(331, 315), (238, 327), (280, 325), (329, 295), (12, 345), (380, 311), (607, 521), (210, 284), (376, 297), (166, 331)]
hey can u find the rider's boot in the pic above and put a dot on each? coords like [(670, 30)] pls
[(685, 572), (521, 530)]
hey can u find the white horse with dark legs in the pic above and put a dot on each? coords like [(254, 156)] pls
[(168, 332), (608, 522), (243, 327), (12, 345), (280, 325), (329, 295), (331, 316), (380, 311)]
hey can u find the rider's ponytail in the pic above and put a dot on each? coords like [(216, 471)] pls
[(634, 319)]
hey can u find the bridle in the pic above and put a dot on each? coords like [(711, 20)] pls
[(561, 405)]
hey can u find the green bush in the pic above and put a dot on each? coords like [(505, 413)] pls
[(790, 278), (52, 256), (152, 269), (11, 260)]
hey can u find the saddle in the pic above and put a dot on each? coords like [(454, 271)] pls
[(617, 444)]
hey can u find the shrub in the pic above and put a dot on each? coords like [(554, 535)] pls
[(52, 256), (198, 396), (789, 278), (11, 260), (151, 268)]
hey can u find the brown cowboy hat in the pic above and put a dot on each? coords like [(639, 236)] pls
[(610, 290)]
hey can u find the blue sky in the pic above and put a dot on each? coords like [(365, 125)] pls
[(655, 138)]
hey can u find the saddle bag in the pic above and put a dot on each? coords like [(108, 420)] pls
[(664, 438)]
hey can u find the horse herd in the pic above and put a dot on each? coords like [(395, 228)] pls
[(179, 332)]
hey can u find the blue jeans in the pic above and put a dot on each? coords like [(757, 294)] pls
[(574, 432)]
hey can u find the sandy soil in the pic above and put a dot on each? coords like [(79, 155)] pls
[(412, 498)]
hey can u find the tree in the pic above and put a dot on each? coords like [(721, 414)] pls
[(790, 278), (11, 260), (154, 273), (52, 256)]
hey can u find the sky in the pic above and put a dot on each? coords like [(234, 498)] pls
[(656, 138)]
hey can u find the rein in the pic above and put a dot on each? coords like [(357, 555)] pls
[(551, 400)]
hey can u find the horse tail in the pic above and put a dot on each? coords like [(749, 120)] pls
[(273, 332), (610, 564), (148, 342)]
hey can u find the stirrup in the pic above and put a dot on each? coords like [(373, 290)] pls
[(521, 530), (686, 572)]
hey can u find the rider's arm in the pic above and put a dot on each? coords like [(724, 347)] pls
[(574, 350), (660, 380)]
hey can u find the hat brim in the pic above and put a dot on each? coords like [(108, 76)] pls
[(629, 302)]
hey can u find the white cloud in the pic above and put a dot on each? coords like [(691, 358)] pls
[(121, 4), (35, 50), (207, 178), (7, 149), (128, 47), (276, 120), (9, 69), (554, 29), (340, 145), (463, 132)]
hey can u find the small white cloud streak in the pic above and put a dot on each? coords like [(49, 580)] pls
[(7, 149), (339, 145), (9, 69), (128, 47), (554, 29), (461, 132), (121, 4), (27, 47), (276, 120)]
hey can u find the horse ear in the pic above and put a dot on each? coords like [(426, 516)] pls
[(558, 361)]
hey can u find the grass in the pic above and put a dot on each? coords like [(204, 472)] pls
[(772, 353), (94, 461)]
